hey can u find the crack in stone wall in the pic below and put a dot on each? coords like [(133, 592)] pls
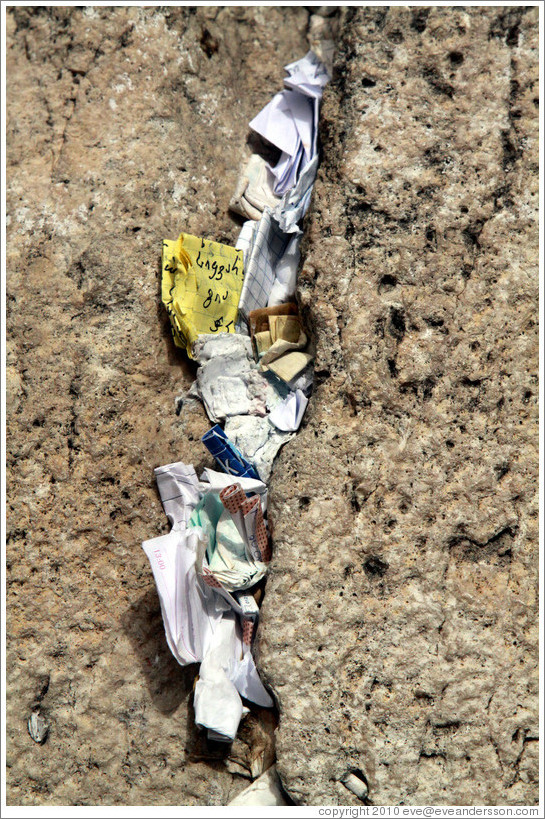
[(124, 125), (382, 634)]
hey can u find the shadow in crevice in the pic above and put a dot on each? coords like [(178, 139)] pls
[(168, 682), (199, 748)]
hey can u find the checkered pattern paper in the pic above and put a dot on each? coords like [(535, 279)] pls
[(263, 245)]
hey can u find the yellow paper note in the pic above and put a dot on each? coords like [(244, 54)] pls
[(201, 286)]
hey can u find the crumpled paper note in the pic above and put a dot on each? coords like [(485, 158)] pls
[(254, 191), (228, 380), (280, 342), (257, 439), (201, 285), (290, 120), (288, 414), (225, 557)]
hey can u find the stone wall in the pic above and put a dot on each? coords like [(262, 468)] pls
[(125, 126), (399, 627)]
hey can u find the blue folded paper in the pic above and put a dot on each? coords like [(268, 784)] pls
[(227, 455)]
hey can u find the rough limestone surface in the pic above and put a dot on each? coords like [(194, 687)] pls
[(399, 628), (399, 631), (124, 126)]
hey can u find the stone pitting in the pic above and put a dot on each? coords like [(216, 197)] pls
[(399, 625), (399, 629)]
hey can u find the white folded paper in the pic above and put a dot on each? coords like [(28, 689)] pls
[(217, 702), (191, 611), (257, 440), (178, 486), (227, 672), (287, 415), (290, 120)]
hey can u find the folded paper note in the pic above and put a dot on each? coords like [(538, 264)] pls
[(178, 486), (225, 560), (294, 204), (226, 454), (232, 498), (287, 415), (191, 611), (290, 120), (227, 672), (212, 481), (254, 191), (283, 288), (201, 285), (257, 439), (258, 320), (264, 791), (279, 341), (247, 515), (288, 366), (228, 380), (197, 614), (217, 702)]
